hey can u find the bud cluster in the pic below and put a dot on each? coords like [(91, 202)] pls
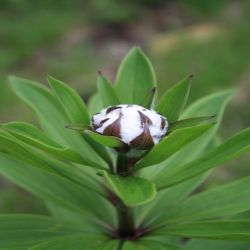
[(136, 126)]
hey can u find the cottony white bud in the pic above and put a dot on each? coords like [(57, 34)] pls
[(136, 126)]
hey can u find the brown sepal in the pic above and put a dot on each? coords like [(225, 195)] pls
[(144, 119), (110, 109), (144, 140), (114, 129)]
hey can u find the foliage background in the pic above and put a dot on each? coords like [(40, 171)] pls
[(71, 40)]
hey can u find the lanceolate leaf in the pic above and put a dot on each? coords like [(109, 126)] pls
[(171, 144), (29, 134), (135, 77), (225, 200), (147, 245), (235, 146), (190, 122), (95, 104), (70, 100), (231, 230), (79, 242), (209, 105), (172, 102), (49, 186), (52, 117), (17, 231), (198, 244), (110, 141), (107, 93), (149, 99), (133, 191)]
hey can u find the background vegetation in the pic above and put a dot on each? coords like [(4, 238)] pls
[(71, 40)]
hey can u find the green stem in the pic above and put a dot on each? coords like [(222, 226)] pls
[(126, 225), (125, 221)]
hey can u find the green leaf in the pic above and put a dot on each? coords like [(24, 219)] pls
[(209, 105), (225, 200), (27, 230), (79, 242), (231, 149), (107, 93), (52, 117), (50, 186), (198, 244), (149, 99), (173, 101), (71, 102), (190, 122), (133, 191), (109, 141), (95, 104), (171, 144), (147, 245), (29, 134), (135, 77), (231, 230)]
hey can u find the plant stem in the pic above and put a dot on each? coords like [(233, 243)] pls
[(125, 221), (125, 214)]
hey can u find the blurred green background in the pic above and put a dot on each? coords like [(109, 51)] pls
[(72, 40)]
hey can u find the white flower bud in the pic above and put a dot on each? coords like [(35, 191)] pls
[(136, 126)]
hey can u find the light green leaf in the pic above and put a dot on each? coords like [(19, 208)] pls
[(107, 93), (133, 191), (171, 144), (198, 244), (147, 245), (95, 104), (18, 231), (79, 242), (231, 230), (135, 77), (173, 101), (109, 141), (225, 200), (52, 117), (190, 122), (71, 102), (231, 149), (29, 134)]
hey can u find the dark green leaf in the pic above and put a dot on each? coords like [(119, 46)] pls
[(79, 242), (133, 191), (232, 148), (226, 200), (107, 93), (147, 245), (173, 101), (135, 77), (27, 230), (231, 230), (149, 99), (71, 102), (50, 186), (171, 144), (198, 244)]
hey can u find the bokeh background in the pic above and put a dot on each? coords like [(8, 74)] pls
[(72, 40)]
